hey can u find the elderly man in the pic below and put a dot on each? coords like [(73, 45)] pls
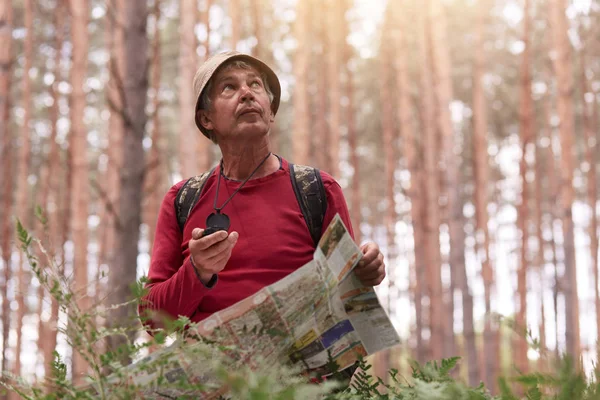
[(245, 229)]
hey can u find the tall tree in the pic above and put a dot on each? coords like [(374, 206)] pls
[(23, 192), (124, 269), (564, 104), (155, 178), (6, 153), (48, 200), (410, 146), (442, 76), (257, 10), (320, 131), (431, 216), (115, 99), (236, 22), (539, 195), (301, 127), (355, 202), (526, 136), (390, 159), (433, 93), (590, 127), (336, 39), (80, 197), (193, 154), (481, 200)]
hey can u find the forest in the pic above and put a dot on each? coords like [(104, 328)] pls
[(464, 134)]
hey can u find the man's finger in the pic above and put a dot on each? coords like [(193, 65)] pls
[(217, 249), (371, 273), (208, 241), (197, 233)]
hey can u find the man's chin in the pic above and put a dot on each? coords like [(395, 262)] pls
[(253, 130)]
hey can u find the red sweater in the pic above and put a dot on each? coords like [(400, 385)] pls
[(274, 241)]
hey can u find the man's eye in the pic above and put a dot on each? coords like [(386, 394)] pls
[(255, 84), (228, 86)]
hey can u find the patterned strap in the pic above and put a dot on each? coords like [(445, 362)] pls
[(310, 193), (188, 196)]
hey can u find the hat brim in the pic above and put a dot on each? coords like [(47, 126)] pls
[(272, 79)]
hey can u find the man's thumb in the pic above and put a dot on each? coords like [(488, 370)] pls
[(197, 233)]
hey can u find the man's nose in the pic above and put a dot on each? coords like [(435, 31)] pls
[(246, 94)]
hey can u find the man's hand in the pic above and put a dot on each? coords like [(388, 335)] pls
[(371, 268), (210, 254)]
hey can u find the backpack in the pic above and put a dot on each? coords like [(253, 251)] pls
[(307, 184)]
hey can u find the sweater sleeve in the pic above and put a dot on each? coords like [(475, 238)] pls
[(174, 286), (336, 203)]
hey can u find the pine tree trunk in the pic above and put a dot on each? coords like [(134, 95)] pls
[(115, 89), (123, 271), (432, 189), (155, 178), (236, 22), (192, 145), (355, 202), (540, 261), (206, 23), (79, 163), (6, 154), (256, 8), (564, 78), (301, 125), (409, 148), (526, 134), (449, 168), (590, 127), (48, 199), (23, 192), (481, 171), (595, 219), (320, 133), (336, 40), (431, 221), (389, 145)]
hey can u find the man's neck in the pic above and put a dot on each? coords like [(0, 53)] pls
[(240, 161)]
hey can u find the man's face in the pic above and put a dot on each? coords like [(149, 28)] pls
[(240, 105)]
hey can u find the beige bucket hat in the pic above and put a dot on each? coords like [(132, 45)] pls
[(210, 66)]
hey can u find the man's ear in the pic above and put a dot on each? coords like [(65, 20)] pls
[(205, 120), (272, 117)]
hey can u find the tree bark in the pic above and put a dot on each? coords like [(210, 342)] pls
[(431, 219), (49, 202), (432, 189), (481, 172), (449, 167), (389, 145), (526, 135), (6, 152), (320, 133), (355, 202), (123, 272), (336, 40), (115, 94), (301, 125), (155, 178), (257, 22), (190, 143), (590, 127), (79, 164), (236, 22), (564, 78), (23, 192)]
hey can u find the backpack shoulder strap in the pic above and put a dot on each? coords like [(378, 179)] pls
[(188, 196), (310, 193)]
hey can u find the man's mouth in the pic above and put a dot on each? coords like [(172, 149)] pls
[(250, 111)]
